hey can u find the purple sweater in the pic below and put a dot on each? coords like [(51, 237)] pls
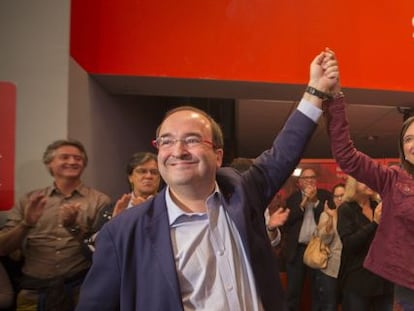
[(391, 254)]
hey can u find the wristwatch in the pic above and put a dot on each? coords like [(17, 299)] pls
[(271, 229), (315, 92), (74, 230)]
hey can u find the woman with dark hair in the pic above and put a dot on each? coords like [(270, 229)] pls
[(391, 251)]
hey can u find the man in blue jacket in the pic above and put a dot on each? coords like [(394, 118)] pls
[(201, 243)]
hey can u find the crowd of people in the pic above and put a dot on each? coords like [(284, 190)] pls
[(194, 234)]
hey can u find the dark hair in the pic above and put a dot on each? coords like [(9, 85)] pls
[(241, 164), (216, 132), (340, 185), (405, 164), (49, 153), (307, 168), (139, 158)]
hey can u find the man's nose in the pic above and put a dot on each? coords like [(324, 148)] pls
[(179, 148)]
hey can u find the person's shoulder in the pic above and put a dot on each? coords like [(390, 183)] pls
[(294, 195), (228, 177), (348, 207), (228, 171), (135, 217), (27, 195)]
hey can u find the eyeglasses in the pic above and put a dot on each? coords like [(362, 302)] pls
[(145, 171), (308, 177), (165, 142), (408, 139), (338, 196)]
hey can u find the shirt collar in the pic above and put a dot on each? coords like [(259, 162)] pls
[(80, 189), (174, 211)]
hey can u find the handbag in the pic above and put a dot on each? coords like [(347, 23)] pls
[(316, 253)]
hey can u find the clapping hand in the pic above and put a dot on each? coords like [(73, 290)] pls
[(139, 199), (35, 209), (69, 214), (121, 204), (278, 218), (378, 213)]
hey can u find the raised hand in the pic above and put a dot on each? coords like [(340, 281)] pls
[(139, 199), (278, 218), (324, 71), (378, 213), (121, 204), (69, 214), (329, 211)]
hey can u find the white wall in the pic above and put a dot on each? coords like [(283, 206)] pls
[(34, 55), (57, 99), (112, 128)]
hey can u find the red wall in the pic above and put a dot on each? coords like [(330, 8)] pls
[(247, 40), (328, 172)]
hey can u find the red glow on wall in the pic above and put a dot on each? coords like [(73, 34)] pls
[(7, 145), (240, 40)]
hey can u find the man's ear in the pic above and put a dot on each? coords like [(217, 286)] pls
[(219, 157)]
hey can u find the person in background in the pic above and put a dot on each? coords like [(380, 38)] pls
[(144, 182), (327, 278), (358, 219), (306, 205), (48, 226), (7, 275), (201, 242), (390, 254), (274, 219), (6, 289)]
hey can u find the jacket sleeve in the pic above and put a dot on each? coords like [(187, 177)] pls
[(354, 236), (278, 162), (101, 288), (350, 160)]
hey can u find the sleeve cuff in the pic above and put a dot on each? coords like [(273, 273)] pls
[(310, 110)]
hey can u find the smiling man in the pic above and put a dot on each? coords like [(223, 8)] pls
[(201, 243), (47, 225)]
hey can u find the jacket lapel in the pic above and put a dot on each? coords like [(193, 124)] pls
[(158, 230)]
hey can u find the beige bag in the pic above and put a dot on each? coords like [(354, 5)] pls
[(316, 253)]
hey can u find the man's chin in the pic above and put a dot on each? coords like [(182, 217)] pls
[(72, 176), (183, 181)]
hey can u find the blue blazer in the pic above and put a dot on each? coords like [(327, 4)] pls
[(133, 266)]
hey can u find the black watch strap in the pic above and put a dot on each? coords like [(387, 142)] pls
[(271, 229), (322, 95)]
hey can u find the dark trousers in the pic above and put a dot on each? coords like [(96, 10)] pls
[(403, 298), (297, 272), (353, 301), (55, 294), (328, 292)]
